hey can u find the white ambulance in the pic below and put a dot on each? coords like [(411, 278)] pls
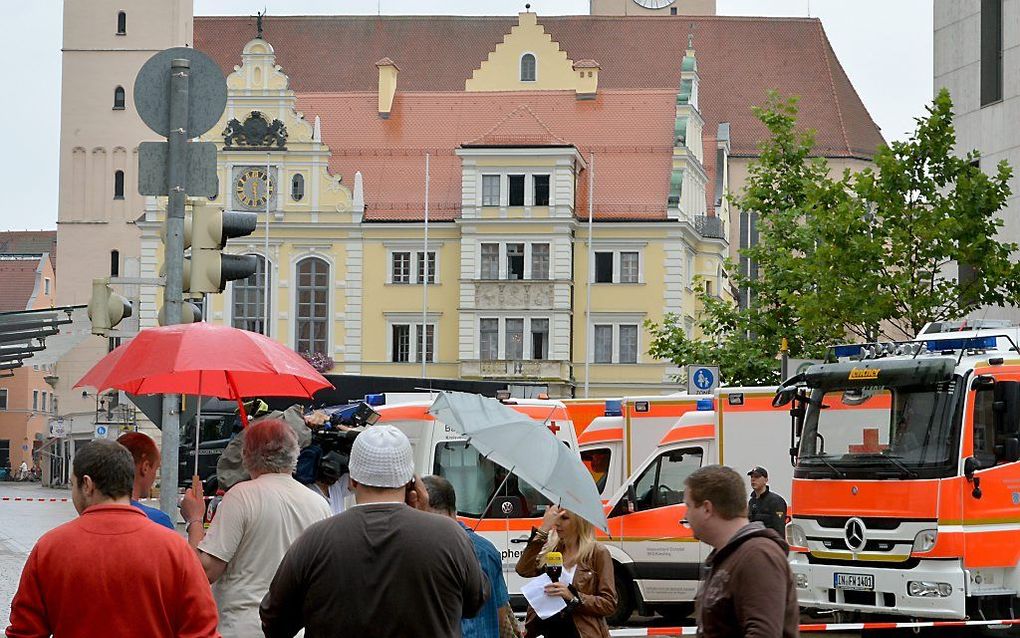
[(506, 517)]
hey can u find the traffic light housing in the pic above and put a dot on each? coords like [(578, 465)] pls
[(210, 268), (106, 308)]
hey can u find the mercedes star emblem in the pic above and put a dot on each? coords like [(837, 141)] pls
[(854, 532)]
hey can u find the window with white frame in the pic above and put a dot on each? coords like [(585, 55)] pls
[(401, 337), (489, 261), (528, 67), (46, 285), (401, 348), (515, 190), (603, 343), (540, 190), (628, 267), (420, 258), (515, 261), (628, 343), (540, 261), (488, 339), (248, 299), (312, 322), (539, 339), (490, 190), (43, 408), (617, 266), (615, 342), (514, 347), (400, 269), (3, 399)]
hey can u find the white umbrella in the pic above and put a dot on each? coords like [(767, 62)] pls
[(526, 448)]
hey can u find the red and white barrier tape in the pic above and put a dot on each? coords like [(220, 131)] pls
[(819, 627), (34, 500)]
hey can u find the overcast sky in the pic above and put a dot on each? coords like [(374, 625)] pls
[(884, 45)]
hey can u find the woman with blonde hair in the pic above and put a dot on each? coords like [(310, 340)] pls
[(586, 585)]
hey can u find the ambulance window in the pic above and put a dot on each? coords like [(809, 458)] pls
[(597, 462), (984, 426), (476, 479), (662, 483)]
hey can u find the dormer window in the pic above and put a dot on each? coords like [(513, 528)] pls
[(528, 67), (121, 23)]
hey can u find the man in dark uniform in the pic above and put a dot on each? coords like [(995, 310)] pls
[(765, 505)]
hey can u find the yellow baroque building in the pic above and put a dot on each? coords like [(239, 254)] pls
[(574, 188)]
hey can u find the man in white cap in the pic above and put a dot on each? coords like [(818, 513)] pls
[(380, 569)]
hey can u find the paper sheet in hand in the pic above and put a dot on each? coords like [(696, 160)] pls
[(544, 606)]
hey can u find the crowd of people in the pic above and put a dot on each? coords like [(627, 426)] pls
[(277, 561)]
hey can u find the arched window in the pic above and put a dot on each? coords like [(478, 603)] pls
[(118, 99), (118, 184), (297, 187), (527, 68), (312, 305), (249, 297), (121, 23)]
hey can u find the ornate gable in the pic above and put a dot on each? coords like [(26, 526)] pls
[(509, 68)]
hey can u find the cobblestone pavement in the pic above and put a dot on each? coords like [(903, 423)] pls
[(21, 525)]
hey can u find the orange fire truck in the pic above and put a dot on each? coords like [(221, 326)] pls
[(906, 490)]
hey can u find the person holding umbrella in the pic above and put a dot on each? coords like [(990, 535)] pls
[(586, 585)]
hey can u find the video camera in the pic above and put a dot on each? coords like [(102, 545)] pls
[(330, 451)]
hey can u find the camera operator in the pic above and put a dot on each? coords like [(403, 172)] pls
[(333, 481), (322, 465)]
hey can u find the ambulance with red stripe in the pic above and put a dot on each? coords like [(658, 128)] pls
[(660, 441), (906, 491), (505, 518)]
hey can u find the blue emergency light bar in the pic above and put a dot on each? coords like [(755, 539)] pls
[(375, 399), (704, 405), (850, 350), (614, 407), (964, 343)]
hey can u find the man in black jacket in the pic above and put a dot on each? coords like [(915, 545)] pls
[(765, 505)]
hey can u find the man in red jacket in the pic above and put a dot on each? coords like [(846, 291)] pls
[(111, 572)]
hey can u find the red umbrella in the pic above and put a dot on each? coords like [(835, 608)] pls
[(205, 360)]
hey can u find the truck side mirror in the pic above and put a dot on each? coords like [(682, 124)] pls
[(631, 498), (971, 465)]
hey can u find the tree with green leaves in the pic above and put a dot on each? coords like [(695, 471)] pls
[(869, 255)]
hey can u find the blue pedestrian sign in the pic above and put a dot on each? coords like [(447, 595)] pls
[(702, 379), (100, 432)]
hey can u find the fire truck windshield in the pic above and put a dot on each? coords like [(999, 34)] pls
[(881, 432)]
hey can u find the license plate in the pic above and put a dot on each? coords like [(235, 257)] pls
[(857, 582)]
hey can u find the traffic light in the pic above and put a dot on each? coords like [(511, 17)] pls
[(211, 269), (106, 308)]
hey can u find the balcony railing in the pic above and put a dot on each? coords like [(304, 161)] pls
[(515, 369)]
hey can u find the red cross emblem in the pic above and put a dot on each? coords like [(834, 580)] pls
[(553, 427), (870, 444)]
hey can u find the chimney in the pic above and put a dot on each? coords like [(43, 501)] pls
[(387, 85), (587, 79)]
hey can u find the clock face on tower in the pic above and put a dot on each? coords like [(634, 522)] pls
[(253, 188), (654, 4)]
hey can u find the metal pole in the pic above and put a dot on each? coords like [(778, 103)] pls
[(589, 340), (265, 257), (174, 259), (425, 275)]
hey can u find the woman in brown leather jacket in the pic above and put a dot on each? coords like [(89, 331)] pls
[(590, 597)]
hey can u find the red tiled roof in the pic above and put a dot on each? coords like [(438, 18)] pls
[(630, 133), (17, 282), (30, 242), (739, 58), (520, 128)]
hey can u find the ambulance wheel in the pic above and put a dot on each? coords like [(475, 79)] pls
[(624, 599)]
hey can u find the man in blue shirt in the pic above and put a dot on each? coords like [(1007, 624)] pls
[(443, 501), (146, 455)]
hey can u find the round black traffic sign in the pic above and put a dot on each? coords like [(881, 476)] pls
[(207, 91)]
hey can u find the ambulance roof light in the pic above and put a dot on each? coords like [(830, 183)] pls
[(705, 405), (375, 399), (614, 407)]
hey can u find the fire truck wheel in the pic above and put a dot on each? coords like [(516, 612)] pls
[(624, 599)]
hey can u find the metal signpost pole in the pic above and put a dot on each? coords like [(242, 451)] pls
[(174, 259)]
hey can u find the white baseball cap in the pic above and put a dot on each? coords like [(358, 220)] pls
[(381, 457)]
